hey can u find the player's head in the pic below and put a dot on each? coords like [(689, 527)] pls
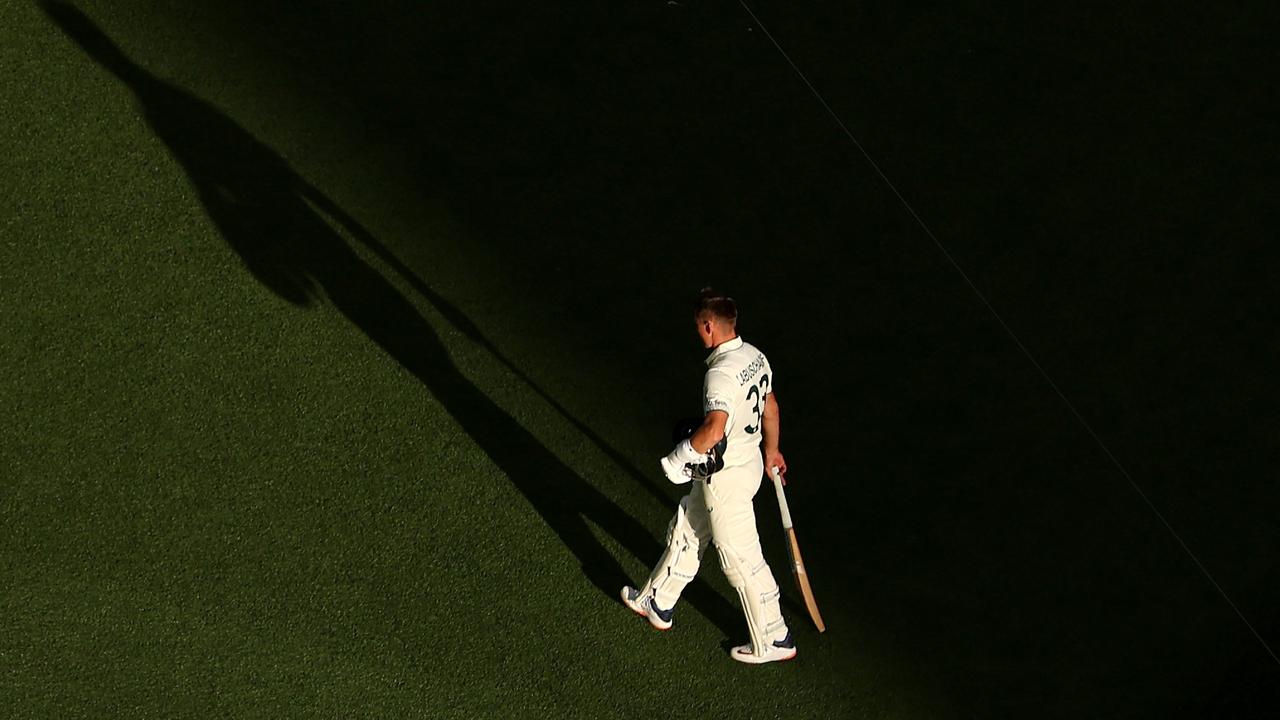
[(716, 317)]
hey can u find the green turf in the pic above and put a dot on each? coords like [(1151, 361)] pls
[(342, 342), (222, 503)]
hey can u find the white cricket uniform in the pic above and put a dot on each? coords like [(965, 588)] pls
[(719, 509)]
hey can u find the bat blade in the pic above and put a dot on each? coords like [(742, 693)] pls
[(793, 547), (802, 580)]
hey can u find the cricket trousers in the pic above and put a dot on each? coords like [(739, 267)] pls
[(719, 511)]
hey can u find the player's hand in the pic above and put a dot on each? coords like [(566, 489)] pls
[(675, 465), (775, 460), (678, 474)]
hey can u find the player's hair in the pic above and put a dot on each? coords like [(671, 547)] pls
[(717, 305)]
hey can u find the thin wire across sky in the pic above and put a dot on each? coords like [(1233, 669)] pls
[(1009, 331)]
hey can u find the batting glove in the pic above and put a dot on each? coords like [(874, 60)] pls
[(711, 463), (674, 464)]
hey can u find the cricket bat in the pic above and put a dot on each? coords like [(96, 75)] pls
[(797, 563)]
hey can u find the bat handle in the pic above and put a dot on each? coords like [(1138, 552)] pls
[(782, 498)]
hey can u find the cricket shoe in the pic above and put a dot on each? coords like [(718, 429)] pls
[(779, 650), (646, 608)]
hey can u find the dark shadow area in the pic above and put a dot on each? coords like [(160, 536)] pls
[(464, 324), (1105, 175), (276, 223)]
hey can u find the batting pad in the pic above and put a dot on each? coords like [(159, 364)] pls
[(721, 511), (760, 598), (687, 537)]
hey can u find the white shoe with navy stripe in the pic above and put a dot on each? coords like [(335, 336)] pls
[(779, 650), (646, 608)]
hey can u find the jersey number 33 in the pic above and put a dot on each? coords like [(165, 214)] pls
[(757, 394)]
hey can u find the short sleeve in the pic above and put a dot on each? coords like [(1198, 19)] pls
[(717, 393)]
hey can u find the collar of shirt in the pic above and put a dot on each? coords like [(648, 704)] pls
[(724, 347)]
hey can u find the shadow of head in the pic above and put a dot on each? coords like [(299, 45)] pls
[(93, 41), (258, 204)]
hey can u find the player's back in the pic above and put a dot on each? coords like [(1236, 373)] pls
[(738, 379)]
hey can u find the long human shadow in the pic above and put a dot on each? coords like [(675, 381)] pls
[(277, 224), (464, 324)]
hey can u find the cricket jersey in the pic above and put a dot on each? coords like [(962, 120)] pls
[(738, 379)]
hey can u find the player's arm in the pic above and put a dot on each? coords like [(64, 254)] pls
[(711, 431), (717, 391), (769, 440), (679, 466)]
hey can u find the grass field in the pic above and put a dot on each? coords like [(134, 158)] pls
[(342, 339)]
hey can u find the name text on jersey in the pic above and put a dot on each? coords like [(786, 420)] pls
[(750, 371)]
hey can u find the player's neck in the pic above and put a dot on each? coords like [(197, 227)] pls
[(717, 339)]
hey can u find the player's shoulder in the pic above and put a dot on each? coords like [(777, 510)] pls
[(735, 367), (750, 356), (750, 350)]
